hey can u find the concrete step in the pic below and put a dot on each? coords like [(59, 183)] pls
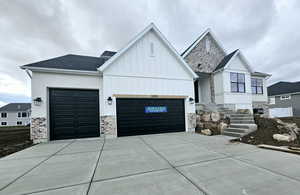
[(241, 121), (241, 115), (239, 126), (236, 130), (241, 118), (232, 134)]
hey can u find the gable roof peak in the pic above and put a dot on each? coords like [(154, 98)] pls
[(150, 27), (195, 43)]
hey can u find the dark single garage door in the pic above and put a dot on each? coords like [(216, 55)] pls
[(149, 116), (74, 113)]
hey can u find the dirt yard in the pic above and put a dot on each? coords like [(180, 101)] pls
[(13, 139), (266, 129)]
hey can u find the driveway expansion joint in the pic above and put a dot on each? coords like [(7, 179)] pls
[(178, 171), (94, 172), (37, 165)]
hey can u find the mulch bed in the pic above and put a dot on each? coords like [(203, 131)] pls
[(264, 134), (10, 148), (13, 139)]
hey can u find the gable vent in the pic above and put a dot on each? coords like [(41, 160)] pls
[(152, 54)]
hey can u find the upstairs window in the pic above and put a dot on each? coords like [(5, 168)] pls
[(24, 114), (3, 115), (19, 114), (237, 81), (257, 86)]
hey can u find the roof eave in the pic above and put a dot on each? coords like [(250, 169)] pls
[(62, 71)]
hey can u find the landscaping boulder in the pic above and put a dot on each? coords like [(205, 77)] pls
[(215, 116), (283, 137), (222, 126), (206, 132), (205, 117)]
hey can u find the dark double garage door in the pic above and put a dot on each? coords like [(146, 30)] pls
[(149, 116), (75, 114)]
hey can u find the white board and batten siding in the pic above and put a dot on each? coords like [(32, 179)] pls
[(281, 112), (148, 67)]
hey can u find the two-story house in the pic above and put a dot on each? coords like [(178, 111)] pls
[(15, 114), (225, 79), (284, 98)]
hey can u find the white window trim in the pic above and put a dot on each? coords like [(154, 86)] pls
[(285, 97)]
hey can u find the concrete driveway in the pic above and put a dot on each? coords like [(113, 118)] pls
[(177, 163)]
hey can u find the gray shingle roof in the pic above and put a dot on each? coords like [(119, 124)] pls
[(16, 107), (225, 60), (260, 74), (73, 62), (283, 88)]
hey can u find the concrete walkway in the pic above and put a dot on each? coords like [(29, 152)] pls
[(170, 164)]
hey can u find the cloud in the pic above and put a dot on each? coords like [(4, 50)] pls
[(266, 31), (2, 103), (10, 85)]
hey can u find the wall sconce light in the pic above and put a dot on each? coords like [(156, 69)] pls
[(191, 100), (109, 100), (37, 101)]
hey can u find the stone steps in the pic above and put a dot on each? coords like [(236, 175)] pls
[(240, 124), (231, 134), (236, 130)]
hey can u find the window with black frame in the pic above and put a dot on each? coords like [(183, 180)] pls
[(257, 86), (237, 81)]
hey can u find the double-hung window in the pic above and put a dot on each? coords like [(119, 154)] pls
[(3, 115), (257, 86), (237, 82), (24, 114)]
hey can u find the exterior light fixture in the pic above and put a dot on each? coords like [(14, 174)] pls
[(109, 100), (37, 101), (191, 100)]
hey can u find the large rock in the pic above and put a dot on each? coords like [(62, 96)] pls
[(206, 132), (215, 116), (222, 126), (283, 137), (205, 117)]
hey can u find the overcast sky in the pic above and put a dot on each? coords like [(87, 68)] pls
[(266, 31)]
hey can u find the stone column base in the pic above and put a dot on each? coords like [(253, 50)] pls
[(109, 126), (38, 130), (191, 122)]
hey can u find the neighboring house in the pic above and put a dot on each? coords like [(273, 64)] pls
[(144, 88), (225, 79), (284, 99), (15, 114)]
